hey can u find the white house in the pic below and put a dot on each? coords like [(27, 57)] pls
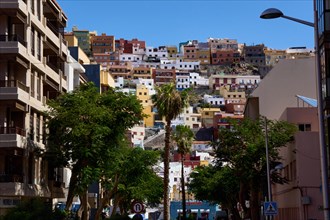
[(197, 80), (160, 52), (179, 64), (138, 133), (214, 99), (182, 80), (74, 72), (201, 146), (128, 57)]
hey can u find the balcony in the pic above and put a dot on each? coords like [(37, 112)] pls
[(13, 130), (12, 38), (11, 178), (13, 84), (14, 90)]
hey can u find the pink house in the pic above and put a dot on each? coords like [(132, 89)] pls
[(281, 95)]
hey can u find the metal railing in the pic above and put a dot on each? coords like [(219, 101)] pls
[(11, 178), (13, 130), (13, 38), (13, 84)]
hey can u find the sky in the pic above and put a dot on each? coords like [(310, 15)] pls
[(169, 22)]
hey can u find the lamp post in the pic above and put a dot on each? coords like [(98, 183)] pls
[(275, 13)]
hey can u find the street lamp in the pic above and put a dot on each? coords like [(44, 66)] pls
[(271, 13), (275, 13)]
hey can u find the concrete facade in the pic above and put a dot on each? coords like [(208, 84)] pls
[(301, 198), (33, 67)]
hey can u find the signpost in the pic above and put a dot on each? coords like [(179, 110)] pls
[(137, 207), (270, 208)]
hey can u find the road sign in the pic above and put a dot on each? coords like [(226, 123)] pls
[(137, 207), (270, 208)]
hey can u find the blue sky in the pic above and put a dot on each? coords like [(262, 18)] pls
[(169, 22)]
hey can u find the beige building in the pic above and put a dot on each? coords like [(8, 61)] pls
[(142, 72), (207, 116), (192, 118), (274, 56), (143, 94), (172, 51), (33, 56), (232, 95), (124, 71), (301, 198)]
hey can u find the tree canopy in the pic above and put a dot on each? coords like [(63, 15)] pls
[(240, 162), (86, 129)]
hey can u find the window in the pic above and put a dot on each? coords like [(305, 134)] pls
[(304, 127)]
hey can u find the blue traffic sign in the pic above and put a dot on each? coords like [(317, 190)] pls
[(270, 208)]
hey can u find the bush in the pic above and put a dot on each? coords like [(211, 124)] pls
[(34, 209)]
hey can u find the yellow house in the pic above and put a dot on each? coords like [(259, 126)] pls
[(232, 95), (106, 80), (204, 56), (172, 51), (208, 115), (143, 94), (71, 39)]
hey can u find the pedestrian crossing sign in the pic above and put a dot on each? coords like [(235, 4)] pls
[(270, 208)]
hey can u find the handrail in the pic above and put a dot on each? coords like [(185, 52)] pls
[(12, 37), (13, 84), (7, 178), (13, 130)]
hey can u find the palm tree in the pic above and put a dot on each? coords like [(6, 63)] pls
[(183, 136), (169, 103)]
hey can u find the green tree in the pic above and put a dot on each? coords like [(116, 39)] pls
[(241, 156), (217, 185), (183, 137), (34, 209), (133, 178), (169, 103), (85, 128)]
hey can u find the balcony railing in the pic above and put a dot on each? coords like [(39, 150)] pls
[(11, 178), (13, 84), (12, 37), (13, 130)]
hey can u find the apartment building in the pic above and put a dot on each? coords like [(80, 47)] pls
[(124, 71), (32, 71), (323, 10), (182, 80), (103, 43), (274, 56), (83, 37), (207, 116), (224, 57), (190, 52), (163, 76), (204, 53), (179, 64), (106, 59), (192, 118), (144, 93), (214, 100), (126, 46), (301, 197), (237, 82), (142, 73), (298, 52), (222, 44), (172, 51)]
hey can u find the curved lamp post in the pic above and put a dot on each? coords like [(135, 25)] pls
[(271, 13), (276, 13)]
